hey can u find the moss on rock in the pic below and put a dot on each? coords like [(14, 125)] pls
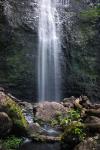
[(91, 14), (20, 125)]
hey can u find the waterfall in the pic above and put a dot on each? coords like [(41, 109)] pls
[(48, 52)]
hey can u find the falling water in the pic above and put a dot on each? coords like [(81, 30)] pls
[(48, 53)]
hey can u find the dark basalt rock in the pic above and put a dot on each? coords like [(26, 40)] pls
[(5, 124), (18, 46)]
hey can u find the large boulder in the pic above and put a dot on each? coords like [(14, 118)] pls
[(69, 102), (34, 129), (89, 144), (14, 111), (92, 123), (5, 124), (92, 119), (48, 110)]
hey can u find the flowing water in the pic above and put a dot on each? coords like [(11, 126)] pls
[(48, 52), (48, 69)]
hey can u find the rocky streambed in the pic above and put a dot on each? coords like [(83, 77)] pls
[(71, 124)]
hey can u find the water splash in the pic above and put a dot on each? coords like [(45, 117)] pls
[(48, 52)]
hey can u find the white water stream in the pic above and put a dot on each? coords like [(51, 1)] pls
[(48, 52)]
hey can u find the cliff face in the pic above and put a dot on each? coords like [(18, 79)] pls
[(82, 51), (79, 40), (18, 46)]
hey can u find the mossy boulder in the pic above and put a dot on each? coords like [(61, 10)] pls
[(9, 106), (46, 111), (5, 124)]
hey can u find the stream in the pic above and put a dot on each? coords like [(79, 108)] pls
[(46, 130)]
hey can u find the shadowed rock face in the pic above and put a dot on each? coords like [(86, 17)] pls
[(88, 144), (6, 124), (19, 44)]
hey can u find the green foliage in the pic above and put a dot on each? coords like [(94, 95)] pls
[(71, 123), (90, 14), (73, 115), (76, 128), (64, 120), (11, 143)]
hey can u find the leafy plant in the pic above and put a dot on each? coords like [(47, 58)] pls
[(73, 124), (77, 129), (74, 115), (62, 120), (11, 142)]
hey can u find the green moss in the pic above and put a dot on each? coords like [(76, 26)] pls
[(87, 32), (11, 143), (15, 113), (90, 14)]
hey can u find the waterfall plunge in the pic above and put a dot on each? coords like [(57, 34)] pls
[(48, 52)]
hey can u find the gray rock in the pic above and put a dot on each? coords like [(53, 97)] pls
[(69, 102), (48, 110), (34, 128), (92, 119), (5, 124), (88, 144)]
